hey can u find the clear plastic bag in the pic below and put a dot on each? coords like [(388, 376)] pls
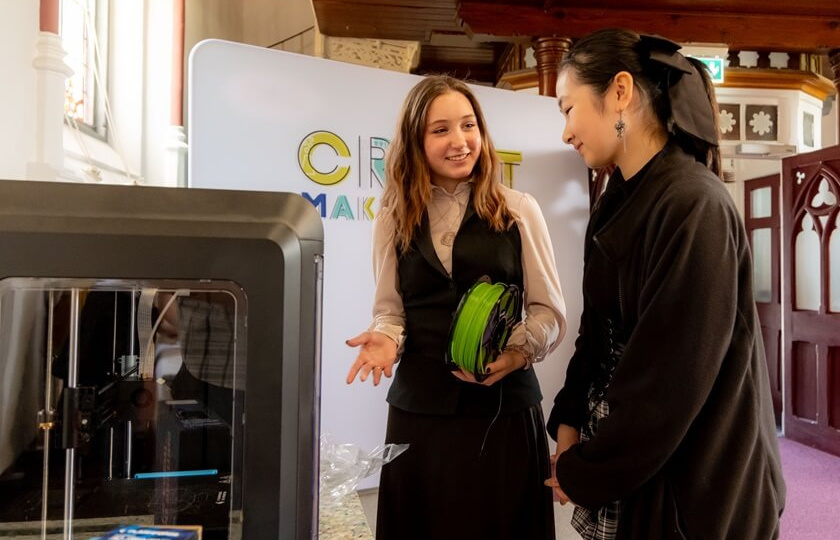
[(344, 465)]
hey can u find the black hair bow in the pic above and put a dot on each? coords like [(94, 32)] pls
[(689, 101)]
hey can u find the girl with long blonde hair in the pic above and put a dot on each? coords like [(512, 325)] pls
[(477, 451)]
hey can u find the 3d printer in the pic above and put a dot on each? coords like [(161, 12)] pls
[(159, 359)]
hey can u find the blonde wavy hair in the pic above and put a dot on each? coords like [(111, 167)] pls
[(408, 186)]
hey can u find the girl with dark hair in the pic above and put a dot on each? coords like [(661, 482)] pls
[(478, 454), (664, 426)]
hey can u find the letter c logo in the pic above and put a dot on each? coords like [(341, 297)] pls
[(307, 147)]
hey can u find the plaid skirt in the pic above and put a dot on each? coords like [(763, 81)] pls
[(601, 524)]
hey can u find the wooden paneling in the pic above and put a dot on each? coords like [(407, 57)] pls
[(769, 309), (812, 336), (804, 381), (834, 387)]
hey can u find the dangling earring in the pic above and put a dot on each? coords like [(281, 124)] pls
[(620, 128)]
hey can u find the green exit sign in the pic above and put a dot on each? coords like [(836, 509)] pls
[(715, 66)]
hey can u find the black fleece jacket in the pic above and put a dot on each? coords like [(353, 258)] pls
[(690, 444)]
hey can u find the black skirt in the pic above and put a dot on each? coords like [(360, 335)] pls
[(460, 480)]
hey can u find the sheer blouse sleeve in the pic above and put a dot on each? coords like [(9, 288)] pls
[(388, 312), (544, 323)]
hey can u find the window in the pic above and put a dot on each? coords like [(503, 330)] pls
[(84, 36)]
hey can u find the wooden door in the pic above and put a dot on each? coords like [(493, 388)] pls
[(810, 204), (762, 217)]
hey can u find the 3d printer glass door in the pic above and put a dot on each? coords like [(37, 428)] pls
[(121, 403)]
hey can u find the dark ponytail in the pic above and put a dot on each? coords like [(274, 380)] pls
[(706, 153), (658, 70)]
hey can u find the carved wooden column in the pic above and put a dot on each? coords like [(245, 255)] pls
[(834, 62), (49, 10), (548, 52), (176, 105)]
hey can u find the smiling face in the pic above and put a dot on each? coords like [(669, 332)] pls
[(451, 140), (590, 127)]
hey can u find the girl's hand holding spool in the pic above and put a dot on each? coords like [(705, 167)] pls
[(507, 362)]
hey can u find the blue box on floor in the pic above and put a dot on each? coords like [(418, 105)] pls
[(152, 532)]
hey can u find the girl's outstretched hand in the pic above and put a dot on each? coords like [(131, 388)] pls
[(377, 355)]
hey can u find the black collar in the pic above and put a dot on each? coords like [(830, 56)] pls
[(618, 235)]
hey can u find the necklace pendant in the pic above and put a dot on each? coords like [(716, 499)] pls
[(448, 239)]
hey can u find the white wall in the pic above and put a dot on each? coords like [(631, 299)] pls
[(221, 19), (830, 124), (157, 153), (18, 37)]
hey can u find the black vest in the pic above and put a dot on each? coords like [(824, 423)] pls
[(423, 383)]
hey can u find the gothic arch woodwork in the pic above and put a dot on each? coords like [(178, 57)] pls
[(811, 203)]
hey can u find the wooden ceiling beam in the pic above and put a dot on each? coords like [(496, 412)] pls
[(740, 31), (815, 8)]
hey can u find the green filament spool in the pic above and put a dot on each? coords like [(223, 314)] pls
[(482, 324)]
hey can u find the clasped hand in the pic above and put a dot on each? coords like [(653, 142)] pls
[(567, 437)]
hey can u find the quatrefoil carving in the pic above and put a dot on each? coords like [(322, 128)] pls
[(824, 196)]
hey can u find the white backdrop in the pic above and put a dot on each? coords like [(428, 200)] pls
[(274, 121)]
